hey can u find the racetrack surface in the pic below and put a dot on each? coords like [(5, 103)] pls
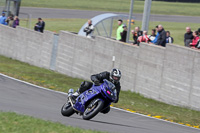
[(30, 100), (85, 14)]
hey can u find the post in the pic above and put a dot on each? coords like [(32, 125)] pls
[(113, 62), (8, 8), (146, 15), (129, 24), (30, 17)]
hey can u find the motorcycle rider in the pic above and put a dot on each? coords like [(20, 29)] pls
[(114, 76)]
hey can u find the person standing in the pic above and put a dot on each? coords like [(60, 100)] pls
[(124, 34), (195, 39), (40, 25), (137, 33), (162, 36), (156, 38), (3, 19), (143, 38), (153, 35), (188, 37), (89, 29), (16, 22), (169, 39), (10, 21), (119, 30)]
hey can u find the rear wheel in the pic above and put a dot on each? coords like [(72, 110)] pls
[(67, 110), (93, 109)]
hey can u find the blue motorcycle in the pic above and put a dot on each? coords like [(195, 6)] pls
[(91, 102)]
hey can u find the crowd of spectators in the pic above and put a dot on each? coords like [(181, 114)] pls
[(11, 20), (191, 39), (158, 35)]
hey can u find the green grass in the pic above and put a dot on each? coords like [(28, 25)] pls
[(169, 8), (128, 100), (14, 123), (177, 29)]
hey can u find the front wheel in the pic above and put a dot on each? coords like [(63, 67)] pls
[(67, 109), (106, 110), (93, 109)]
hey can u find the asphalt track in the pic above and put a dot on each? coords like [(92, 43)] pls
[(85, 14), (23, 98)]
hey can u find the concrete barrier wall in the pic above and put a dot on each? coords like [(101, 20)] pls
[(150, 70), (195, 84), (177, 75), (80, 57), (26, 45), (75, 55), (168, 74)]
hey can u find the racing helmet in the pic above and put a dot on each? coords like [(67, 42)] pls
[(115, 75)]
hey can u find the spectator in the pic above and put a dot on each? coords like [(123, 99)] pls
[(195, 39), (16, 22), (188, 37), (119, 29), (89, 29), (153, 35), (162, 36), (136, 34), (169, 39), (10, 21), (123, 34), (156, 38), (197, 46), (133, 33), (3, 19), (143, 38), (40, 25), (199, 31)]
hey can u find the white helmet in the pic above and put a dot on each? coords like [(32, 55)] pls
[(115, 75)]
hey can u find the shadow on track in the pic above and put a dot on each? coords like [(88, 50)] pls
[(110, 123)]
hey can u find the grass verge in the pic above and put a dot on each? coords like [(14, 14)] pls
[(128, 100), (168, 8), (177, 29), (14, 123)]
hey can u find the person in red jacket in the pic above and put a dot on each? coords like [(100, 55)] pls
[(195, 39), (143, 38)]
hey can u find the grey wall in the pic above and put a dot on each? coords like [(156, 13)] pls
[(168, 74), (26, 45)]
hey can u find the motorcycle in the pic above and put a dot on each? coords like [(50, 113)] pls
[(91, 102)]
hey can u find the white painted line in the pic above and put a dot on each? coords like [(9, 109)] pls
[(32, 84), (111, 107), (153, 118)]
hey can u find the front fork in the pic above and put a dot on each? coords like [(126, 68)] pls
[(70, 95)]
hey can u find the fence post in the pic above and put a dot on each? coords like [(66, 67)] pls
[(54, 52)]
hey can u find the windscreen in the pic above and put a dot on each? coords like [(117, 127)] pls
[(110, 85)]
